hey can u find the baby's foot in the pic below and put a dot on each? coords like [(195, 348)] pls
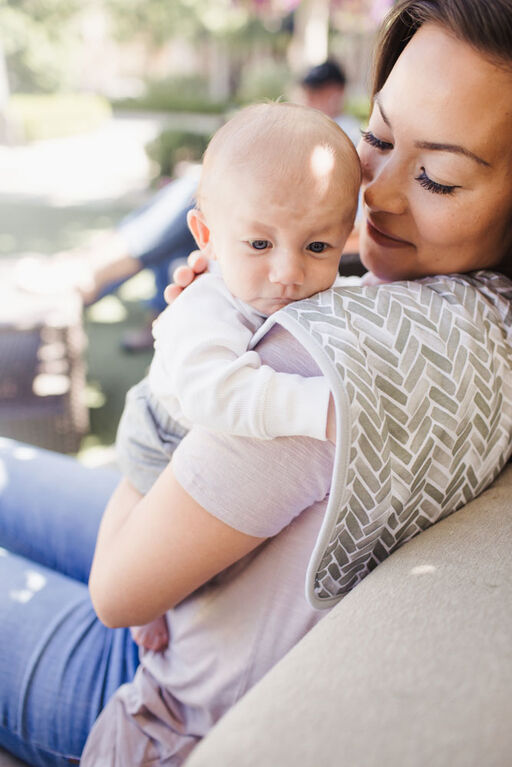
[(152, 636)]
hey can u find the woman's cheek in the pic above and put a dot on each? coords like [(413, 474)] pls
[(367, 162), (436, 219)]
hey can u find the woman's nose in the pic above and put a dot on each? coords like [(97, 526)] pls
[(286, 269), (383, 187)]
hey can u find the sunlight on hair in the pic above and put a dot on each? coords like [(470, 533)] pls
[(423, 569)]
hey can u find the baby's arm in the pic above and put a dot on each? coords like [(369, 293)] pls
[(203, 363)]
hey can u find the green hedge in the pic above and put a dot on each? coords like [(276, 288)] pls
[(177, 94), (173, 146), (42, 116)]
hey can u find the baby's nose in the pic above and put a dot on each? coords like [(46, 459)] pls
[(287, 269)]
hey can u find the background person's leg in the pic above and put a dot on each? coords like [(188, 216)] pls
[(158, 232), (158, 238), (58, 664), (51, 506)]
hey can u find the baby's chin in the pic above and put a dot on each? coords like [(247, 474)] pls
[(268, 306)]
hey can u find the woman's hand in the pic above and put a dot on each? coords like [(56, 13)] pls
[(185, 275)]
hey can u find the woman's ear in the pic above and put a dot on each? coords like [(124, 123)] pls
[(200, 231)]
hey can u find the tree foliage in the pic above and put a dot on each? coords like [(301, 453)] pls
[(37, 36), (159, 21)]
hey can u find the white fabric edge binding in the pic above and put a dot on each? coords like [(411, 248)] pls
[(338, 495)]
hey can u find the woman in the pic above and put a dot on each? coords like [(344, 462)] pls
[(438, 199)]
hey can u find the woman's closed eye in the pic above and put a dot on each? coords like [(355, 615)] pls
[(433, 186), (377, 143)]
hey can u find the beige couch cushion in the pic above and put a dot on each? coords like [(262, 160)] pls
[(412, 669)]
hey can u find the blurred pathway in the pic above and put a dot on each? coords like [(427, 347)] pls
[(54, 193), (104, 164)]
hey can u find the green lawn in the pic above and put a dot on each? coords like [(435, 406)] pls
[(110, 370)]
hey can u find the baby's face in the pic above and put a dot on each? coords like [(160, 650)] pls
[(277, 243)]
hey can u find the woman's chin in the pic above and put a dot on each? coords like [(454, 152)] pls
[(381, 265)]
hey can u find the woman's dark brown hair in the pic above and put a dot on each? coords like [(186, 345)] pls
[(484, 24)]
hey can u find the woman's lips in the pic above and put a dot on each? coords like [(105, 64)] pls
[(386, 240)]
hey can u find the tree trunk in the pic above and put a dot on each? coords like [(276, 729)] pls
[(219, 84), (310, 43), (4, 99)]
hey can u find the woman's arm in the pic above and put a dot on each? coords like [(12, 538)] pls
[(153, 551), (218, 500)]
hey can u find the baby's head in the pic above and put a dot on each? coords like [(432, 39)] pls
[(276, 203)]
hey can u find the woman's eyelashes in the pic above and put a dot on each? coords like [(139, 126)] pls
[(372, 140), (426, 182), (434, 186)]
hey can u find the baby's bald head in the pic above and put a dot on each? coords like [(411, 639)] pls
[(280, 146)]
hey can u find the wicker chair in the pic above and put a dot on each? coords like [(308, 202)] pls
[(42, 370)]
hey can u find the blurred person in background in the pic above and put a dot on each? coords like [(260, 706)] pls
[(323, 87)]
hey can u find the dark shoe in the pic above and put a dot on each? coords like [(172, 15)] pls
[(140, 340)]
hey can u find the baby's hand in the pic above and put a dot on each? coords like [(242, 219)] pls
[(185, 275), (152, 636)]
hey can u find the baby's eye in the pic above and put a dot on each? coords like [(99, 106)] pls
[(318, 247), (378, 143), (259, 244)]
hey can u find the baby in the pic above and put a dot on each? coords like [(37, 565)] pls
[(275, 204)]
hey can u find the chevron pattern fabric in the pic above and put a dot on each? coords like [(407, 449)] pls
[(422, 376)]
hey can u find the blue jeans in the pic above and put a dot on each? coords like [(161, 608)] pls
[(158, 235), (58, 664)]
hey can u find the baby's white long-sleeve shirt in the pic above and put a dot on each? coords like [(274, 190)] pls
[(204, 373)]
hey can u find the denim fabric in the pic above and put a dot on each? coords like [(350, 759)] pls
[(58, 664), (147, 437), (158, 235)]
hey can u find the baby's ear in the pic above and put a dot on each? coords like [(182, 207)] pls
[(200, 230)]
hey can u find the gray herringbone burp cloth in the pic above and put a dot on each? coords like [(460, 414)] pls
[(421, 373)]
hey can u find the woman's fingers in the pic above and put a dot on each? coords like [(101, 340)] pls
[(197, 261), (185, 275), (171, 293)]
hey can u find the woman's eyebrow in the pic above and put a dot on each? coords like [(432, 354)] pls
[(435, 145), (455, 148)]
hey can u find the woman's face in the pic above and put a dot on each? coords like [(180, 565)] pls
[(437, 163)]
